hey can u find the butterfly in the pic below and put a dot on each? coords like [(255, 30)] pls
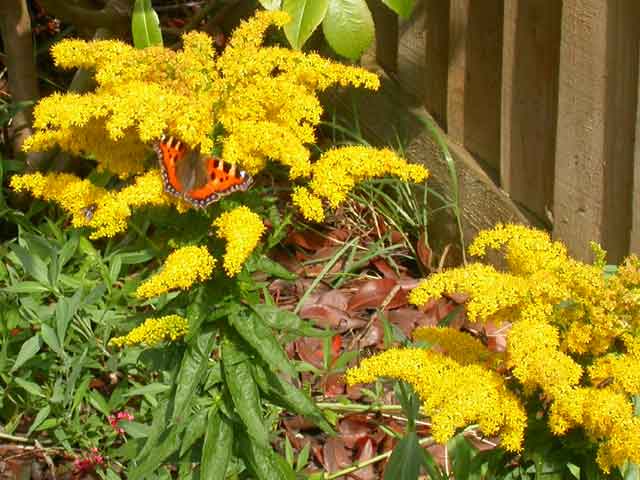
[(197, 179)]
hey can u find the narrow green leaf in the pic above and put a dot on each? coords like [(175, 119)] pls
[(271, 4), (27, 352), (66, 308), (40, 417), (277, 318), (145, 25), (401, 7), (194, 430), (461, 453), (32, 264), (27, 287), (406, 459), (135, 429), (263, 462), (305, 15), (348, 27), (256, 333), (51, 339), (195, 361), (68, 250), (30, 387), (150, 389), (264, 264), (115, 267), (244, 391), (296, 400), (217, 448), (167, 446)]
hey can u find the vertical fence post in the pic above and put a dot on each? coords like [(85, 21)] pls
[(386, 23), (634, 246), (531, 45), (475, 71), (596, 125), (436, 58)]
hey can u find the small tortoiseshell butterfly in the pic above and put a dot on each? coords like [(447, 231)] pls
[(197, 179)]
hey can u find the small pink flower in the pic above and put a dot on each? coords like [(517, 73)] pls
[(88, 463), (118, 417)]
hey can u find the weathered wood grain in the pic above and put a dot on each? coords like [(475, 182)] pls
[(531, 48)]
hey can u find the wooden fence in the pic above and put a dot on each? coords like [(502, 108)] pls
[(539, 100)]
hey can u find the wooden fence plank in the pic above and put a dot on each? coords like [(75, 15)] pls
[(386, 22), (634, 246), (531, 46), (436, 59), (596, 125), (475, 70)]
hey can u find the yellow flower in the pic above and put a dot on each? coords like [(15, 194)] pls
[(453, 395), (338, 170), (242, 229), (154, 331), (183, 268), (460, 346), (494, 296), (308, 203)]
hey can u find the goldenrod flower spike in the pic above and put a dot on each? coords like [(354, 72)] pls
[(181, 270), (154, 331), (242, 229)]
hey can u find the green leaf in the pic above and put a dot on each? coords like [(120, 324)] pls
[(27, 352), (305, 15), (348, 27), (150, 389), (66, 308), (263, 462), (254, 331), (296, 400), (244, 391), (135, 429), (401, 7), (30, 387), (264, 264), (194, 430), (168, 445), (277, 318), (194, 364), (33, 265), (51, 339), (271, 4), (26, 287), (145, 25), (40, 417), (406, 459), (217, 448), (462, 454)]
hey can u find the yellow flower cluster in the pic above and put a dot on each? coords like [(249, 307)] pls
[(263, 97), (337, 172), (104, 211), (568, 319), (453, 395), (606, 416), (459, 346), (242, 229), (154, 331), (183, 268)]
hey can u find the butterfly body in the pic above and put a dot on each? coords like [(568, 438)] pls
[(197, 179)]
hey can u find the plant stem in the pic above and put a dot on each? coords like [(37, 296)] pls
[(14, 438), (377, 458), (356, 407)]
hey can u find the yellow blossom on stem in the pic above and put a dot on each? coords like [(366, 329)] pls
[(340, 169), (154, 331), (459, 346), (453, 395), (181, 270), (242, 229), (310, 206)]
